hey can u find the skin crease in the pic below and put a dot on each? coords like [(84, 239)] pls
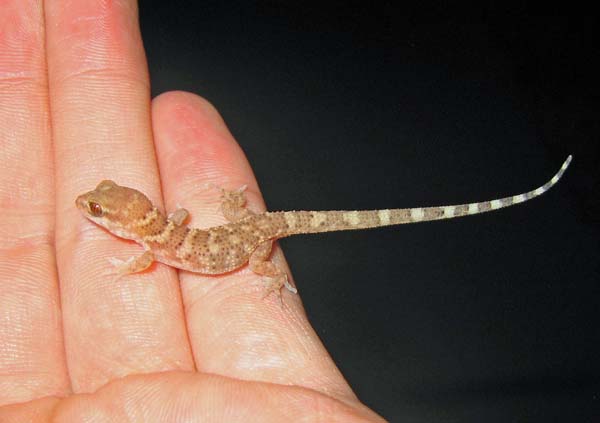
[(78, 346)]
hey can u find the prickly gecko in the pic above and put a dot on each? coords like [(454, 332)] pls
[(248, 237)]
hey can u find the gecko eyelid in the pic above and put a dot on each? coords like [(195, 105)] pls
[(95, 209)]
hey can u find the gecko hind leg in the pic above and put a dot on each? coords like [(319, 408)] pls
[(276, 277), (133, 264), (233, 204)]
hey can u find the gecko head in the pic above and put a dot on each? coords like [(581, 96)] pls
[(114, 207)]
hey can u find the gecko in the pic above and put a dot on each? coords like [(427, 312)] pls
[(247, 238)]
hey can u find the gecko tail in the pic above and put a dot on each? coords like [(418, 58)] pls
[(423, 214), (325, 221)]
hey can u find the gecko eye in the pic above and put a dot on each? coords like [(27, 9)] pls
[(95, 209)]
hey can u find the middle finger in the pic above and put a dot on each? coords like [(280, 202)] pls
[(100, 117)]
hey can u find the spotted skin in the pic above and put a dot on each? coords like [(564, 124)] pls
[(248, 237)]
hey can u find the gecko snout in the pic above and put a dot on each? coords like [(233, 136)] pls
[(80, 202)]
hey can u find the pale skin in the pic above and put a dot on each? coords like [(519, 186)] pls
[(74, 110)]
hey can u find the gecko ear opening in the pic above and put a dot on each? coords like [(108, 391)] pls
[(95, 209)]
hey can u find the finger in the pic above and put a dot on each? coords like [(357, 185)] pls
[(32, 362), (100, 117), (178, 396), (40, 410), (233, 330)]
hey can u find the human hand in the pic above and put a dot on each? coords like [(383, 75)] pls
[(155, 346)]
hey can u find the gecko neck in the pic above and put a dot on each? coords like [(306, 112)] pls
[(153, 224)]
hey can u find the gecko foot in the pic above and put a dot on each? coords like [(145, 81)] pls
[(226, 194), (233, 204), (132, 264), (273, 285), (275, 278), (121, 267)]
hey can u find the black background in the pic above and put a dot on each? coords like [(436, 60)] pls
[(486, 318)]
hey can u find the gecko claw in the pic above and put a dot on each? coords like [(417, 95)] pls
[(289, 287), (273, 289), (224, 191), (116, 270), (121, 267), (274, 286)]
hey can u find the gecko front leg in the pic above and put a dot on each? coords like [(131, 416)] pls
[(133, 264)]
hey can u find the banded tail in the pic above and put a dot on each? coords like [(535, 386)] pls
[(299, 222)]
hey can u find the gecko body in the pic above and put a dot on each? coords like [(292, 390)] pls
[(248, 237)]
